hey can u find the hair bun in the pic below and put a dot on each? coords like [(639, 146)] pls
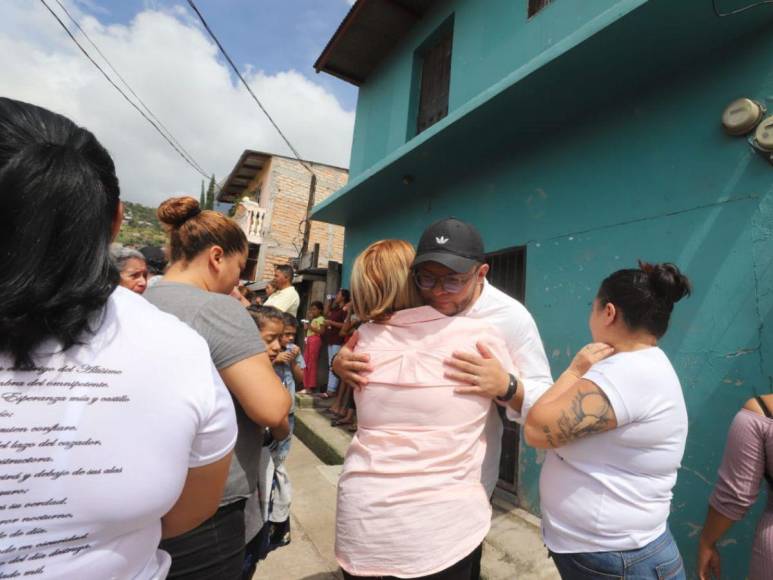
[(667, 281), (175, 211)]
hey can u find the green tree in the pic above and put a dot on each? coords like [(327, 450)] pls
[(202, 199), (210, 199)]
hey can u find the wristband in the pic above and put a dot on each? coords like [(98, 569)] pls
[(511, 388)]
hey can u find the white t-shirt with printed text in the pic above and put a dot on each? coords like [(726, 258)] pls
[(96, 443), (612, 491)]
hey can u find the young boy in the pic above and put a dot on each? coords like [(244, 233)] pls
[(270, 322), (289, 367)]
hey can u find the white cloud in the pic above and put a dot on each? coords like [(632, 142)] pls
[(175, 69)]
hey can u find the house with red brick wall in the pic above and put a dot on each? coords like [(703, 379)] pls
[(271, 193)]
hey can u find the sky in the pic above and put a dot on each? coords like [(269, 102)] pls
[(160, 48)]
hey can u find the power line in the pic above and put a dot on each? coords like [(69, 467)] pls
[(738, 10), (128, 86), (117, 88), (249, 90)]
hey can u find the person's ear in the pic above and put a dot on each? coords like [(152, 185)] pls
[(115, 227), (610, 314), (483, 271), (216, 256)]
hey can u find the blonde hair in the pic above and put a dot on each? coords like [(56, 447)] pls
[(381, 280)]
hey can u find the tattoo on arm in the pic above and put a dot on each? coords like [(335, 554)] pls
[(590, 412)]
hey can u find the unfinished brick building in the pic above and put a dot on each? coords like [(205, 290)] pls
[(280, 187)]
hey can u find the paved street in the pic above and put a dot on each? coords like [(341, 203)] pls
[(310, 554)]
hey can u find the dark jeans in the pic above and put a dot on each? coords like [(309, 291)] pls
[(214, 550), (658, 560), (466, 569)]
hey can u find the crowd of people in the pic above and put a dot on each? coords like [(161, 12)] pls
[(151, 423)]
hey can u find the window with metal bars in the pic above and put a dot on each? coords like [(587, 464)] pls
[(507, 272), (435, 81), (537, 5)]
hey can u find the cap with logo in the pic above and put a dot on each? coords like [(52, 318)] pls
[(452, 243)]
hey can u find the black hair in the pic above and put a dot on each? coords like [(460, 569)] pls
[(290, 320), (646, 295), (346, 294), (287, 270), (318, 304), (262, 314), (58, 199)]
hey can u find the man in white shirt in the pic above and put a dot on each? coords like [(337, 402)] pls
[(286, 296), (450, 272)]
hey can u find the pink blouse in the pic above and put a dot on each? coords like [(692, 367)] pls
[(410, 498)]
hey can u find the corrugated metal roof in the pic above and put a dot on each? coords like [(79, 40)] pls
[(367, 34)]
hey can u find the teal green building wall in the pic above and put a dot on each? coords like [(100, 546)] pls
[(494, 32), (651, 176)]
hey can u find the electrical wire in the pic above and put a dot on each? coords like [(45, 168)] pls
[(738, 10), (249, 90), (128, 86), (117, 88)]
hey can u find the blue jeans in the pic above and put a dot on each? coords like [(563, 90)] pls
[(658, 560)]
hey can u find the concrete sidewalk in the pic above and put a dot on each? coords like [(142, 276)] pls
[(310, 554)]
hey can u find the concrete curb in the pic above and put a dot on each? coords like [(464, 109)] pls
[(313, 428)]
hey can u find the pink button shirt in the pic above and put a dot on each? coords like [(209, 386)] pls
[(410, 498)]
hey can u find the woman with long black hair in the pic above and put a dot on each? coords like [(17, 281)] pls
[(119, 430)]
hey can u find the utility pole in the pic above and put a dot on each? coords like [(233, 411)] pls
[(307, 226)]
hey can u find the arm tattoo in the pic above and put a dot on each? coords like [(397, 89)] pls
[(590, 412)]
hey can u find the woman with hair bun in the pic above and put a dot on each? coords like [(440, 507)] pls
[(207, 252), (114, 448), (615, 424)]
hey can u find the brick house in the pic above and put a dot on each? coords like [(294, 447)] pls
[(276, 189)]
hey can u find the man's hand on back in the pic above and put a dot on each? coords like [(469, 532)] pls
[(483, 372)]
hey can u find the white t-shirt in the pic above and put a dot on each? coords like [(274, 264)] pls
[(524, 344), (612, 491), (95, 445)]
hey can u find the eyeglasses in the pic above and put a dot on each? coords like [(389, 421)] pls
[(451, 283)]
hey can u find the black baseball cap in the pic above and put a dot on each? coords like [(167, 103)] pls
[(453, 243)]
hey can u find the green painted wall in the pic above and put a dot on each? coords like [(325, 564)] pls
[(496, 32), (651, 177)]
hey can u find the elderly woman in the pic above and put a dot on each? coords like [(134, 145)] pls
[(132, 267), (414, 464)]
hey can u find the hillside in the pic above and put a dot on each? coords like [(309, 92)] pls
[(140, 227)]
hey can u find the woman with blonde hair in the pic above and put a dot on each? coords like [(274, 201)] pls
[(415, 462)]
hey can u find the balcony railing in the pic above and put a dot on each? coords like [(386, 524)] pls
[(249, 215)]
